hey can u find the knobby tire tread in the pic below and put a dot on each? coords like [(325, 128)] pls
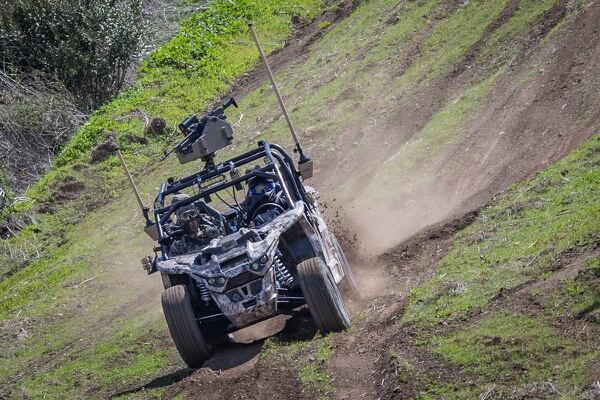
[(322, 296), (185, 331)]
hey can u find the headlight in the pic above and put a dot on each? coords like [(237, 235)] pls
[(216, 282), (259, 263)]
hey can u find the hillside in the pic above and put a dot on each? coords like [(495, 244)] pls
[(439, 131)]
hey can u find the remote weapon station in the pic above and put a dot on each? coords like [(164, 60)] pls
[(241, 240)]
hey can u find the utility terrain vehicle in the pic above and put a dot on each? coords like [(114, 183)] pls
[(241, 241)]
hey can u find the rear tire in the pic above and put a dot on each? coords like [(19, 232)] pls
[(322, 296), (185, 331), (349, 280)]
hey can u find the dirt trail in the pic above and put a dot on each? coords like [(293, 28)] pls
[(239, 372), (544, 104), (528, 124)]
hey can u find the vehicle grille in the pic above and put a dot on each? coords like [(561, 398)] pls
[(239, 280)]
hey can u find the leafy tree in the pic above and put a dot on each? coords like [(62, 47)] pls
[(86, 44)]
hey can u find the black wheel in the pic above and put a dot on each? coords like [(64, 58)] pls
[(166, 280), (185, 331), (322, 296), (349, 281), (169, 280)]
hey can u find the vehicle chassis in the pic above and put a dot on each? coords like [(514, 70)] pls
[(255, 263)]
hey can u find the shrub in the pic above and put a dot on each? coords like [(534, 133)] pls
[(88, 45), (36, 118)]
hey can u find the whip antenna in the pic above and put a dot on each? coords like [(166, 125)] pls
[(150, 228), (136, 192), (305, 164)]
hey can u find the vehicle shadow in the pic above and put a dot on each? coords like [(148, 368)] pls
[(234, 355), (161, 381), (299, 327)]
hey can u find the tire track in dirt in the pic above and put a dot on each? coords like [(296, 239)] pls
[(510, 136), (528, 125), (358, 363)]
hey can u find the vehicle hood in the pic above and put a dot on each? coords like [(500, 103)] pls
[(233, 255)]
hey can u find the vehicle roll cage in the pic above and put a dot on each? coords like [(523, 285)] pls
[(278, 166)]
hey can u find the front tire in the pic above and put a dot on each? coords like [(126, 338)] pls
[(185, 331), (322, 296)]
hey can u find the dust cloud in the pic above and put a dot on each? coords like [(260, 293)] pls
[(384, 225)]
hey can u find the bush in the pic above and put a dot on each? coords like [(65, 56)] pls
[(36, 118), (88, 45)]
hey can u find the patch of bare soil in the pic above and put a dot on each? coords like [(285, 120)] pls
[(544, 107), (472, 53), (82, 189), (13, 224), (425, 248), (404, 369), (533, 297), (266, 380)]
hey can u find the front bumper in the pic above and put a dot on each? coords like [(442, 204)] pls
[(250, 302), (246, 296)]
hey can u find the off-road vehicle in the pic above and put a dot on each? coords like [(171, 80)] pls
[(258, 245)]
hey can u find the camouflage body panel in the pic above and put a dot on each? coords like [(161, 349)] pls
[(258, 304), (207, 262), (232, 257)]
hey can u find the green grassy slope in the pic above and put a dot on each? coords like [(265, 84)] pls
[(517, 298)]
